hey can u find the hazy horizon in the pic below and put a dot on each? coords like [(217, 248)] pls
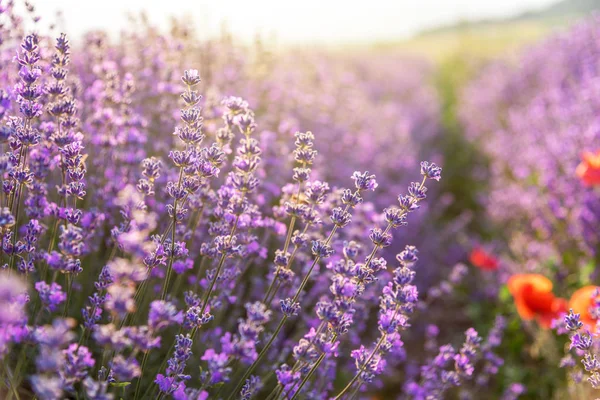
[(331, 22)]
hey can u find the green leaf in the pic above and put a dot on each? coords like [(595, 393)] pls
[(585, 272), (120, 384), (504, 294)]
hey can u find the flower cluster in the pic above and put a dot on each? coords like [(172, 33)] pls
[(241, 256), (582, 340), (166, 249), (536, 122)]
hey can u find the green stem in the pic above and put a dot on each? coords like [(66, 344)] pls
[(289, 234), (69, 288), (15, 231), (172, 256), (285, 317), (362, 367), (308, 376), (139, 382), (288, 239), (355, 391), (220, 265), (258, 359), (269, 296), (11, 382)]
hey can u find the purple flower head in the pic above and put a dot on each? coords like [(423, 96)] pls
[(351, 249), (163, 314), (251, 386), (6, 218), (125, 369), (47, 387), (50, 295), (463, 365), (408, 257), (395, 217), (289, 308), (258, 312), (321, 249), (11, 288), (590, 362), (78, 360), (340, 218), (380, 238), (191, 77), (217, 365), (316, 191), (514, 391), (363, 181), (408, 294), (594, 380), (431, 171), (175, 377), (581, 341), (572, 321), (351, 198), (286, 376), (417, 191), (121, 269), (194, 319)]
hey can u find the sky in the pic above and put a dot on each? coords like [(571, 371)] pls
[(293, 21)]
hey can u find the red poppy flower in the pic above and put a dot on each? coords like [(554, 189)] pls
[(581, 302), (483, 260), (589, 168), (534, 298)]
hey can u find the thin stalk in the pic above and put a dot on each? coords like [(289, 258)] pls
[(11, 382), (288, 239), (172, 256), (193, 226), (285, 317), (220, 265), (274, 393), (271, 295), (17, 206), (200, 270), (141, 288), (355, 392), (272, 291), (57, 220), (307, 277), (69, 289), (362, 367), (139, 382), (165, 360), (307, 377), (258, 359)]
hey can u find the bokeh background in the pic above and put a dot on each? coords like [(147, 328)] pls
[(504, 95)]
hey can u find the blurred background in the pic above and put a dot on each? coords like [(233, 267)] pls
[(504, 95), (431, 27)]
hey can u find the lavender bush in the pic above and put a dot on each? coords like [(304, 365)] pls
[(536, 119), (541, 118), (164, 238), (201, 219)]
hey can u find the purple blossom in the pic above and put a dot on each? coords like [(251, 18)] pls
[(51, 295)]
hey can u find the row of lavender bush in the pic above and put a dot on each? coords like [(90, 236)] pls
[(537, 119), (159, 243), (165, 236)]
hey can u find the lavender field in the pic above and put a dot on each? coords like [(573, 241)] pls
[(187, 217)]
